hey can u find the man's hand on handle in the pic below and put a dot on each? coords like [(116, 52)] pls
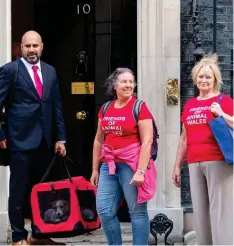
[(60, 147), (3, 144)]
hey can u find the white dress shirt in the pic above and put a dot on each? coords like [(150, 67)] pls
[(30, 70)]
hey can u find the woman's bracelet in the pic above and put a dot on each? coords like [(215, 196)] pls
[(142, 171)]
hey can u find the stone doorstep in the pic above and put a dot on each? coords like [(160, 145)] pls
[(190, 238)]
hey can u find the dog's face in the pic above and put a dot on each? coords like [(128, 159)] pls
[(60, 208)]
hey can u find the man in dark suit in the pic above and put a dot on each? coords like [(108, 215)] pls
[(34, 113)]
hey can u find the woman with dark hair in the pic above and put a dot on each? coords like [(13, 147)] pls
[(123, 146)]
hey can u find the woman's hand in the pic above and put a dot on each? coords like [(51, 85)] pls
[(138, 178), (94, 178), (176, 176), (216, 109)]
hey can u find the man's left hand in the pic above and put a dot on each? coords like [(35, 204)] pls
[(60, 147)]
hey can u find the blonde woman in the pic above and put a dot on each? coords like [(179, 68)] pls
[(211, 178)]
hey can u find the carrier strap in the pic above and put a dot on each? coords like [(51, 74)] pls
[(64, 161)]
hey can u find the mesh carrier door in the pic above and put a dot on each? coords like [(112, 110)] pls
[(54, 205)]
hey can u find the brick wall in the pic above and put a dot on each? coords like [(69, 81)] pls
[(216, 35)]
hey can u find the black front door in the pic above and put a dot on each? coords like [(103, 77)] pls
[(85, 40)]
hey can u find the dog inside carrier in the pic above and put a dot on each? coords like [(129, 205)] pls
[(54, 205), (64, 208), (88, 210), (85, 194)]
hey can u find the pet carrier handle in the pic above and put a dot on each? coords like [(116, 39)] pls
[(67, 159), (68, 173), (48, 170)]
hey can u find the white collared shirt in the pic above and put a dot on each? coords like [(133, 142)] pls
[(30, 70)]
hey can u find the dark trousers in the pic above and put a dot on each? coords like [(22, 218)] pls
[(26, 170)]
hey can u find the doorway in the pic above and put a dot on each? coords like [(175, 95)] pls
[(85, 40)]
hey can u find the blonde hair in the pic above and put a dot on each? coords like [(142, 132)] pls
[(211, 61)]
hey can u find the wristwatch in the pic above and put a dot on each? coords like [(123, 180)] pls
[(141, 171)]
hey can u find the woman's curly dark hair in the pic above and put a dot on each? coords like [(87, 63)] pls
[(112, 79)]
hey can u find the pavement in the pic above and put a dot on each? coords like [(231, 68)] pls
[(95, 238)]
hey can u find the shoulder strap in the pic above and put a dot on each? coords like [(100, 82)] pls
[(220, 98), (136, 109), (105, 107), (16, 68)]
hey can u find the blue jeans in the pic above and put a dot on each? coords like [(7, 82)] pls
[(110, 190)]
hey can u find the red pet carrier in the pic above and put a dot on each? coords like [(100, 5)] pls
[(64, 208)]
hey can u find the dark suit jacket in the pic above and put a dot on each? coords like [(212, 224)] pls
[(29, 117)]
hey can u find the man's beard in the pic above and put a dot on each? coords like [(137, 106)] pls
[(32, 58)]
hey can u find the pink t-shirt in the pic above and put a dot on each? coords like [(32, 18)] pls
[(119, 126), (201, 143)]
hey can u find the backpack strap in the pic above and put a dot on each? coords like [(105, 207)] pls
[(105, 107), (220, 98), (136, 112), (136, 109)]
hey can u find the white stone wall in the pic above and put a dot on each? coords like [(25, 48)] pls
[(5, 56), (171, 46), (158, 60)]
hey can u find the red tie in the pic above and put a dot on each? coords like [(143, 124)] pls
[(37, 80)]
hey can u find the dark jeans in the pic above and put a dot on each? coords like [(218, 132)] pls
[(26, 170)]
